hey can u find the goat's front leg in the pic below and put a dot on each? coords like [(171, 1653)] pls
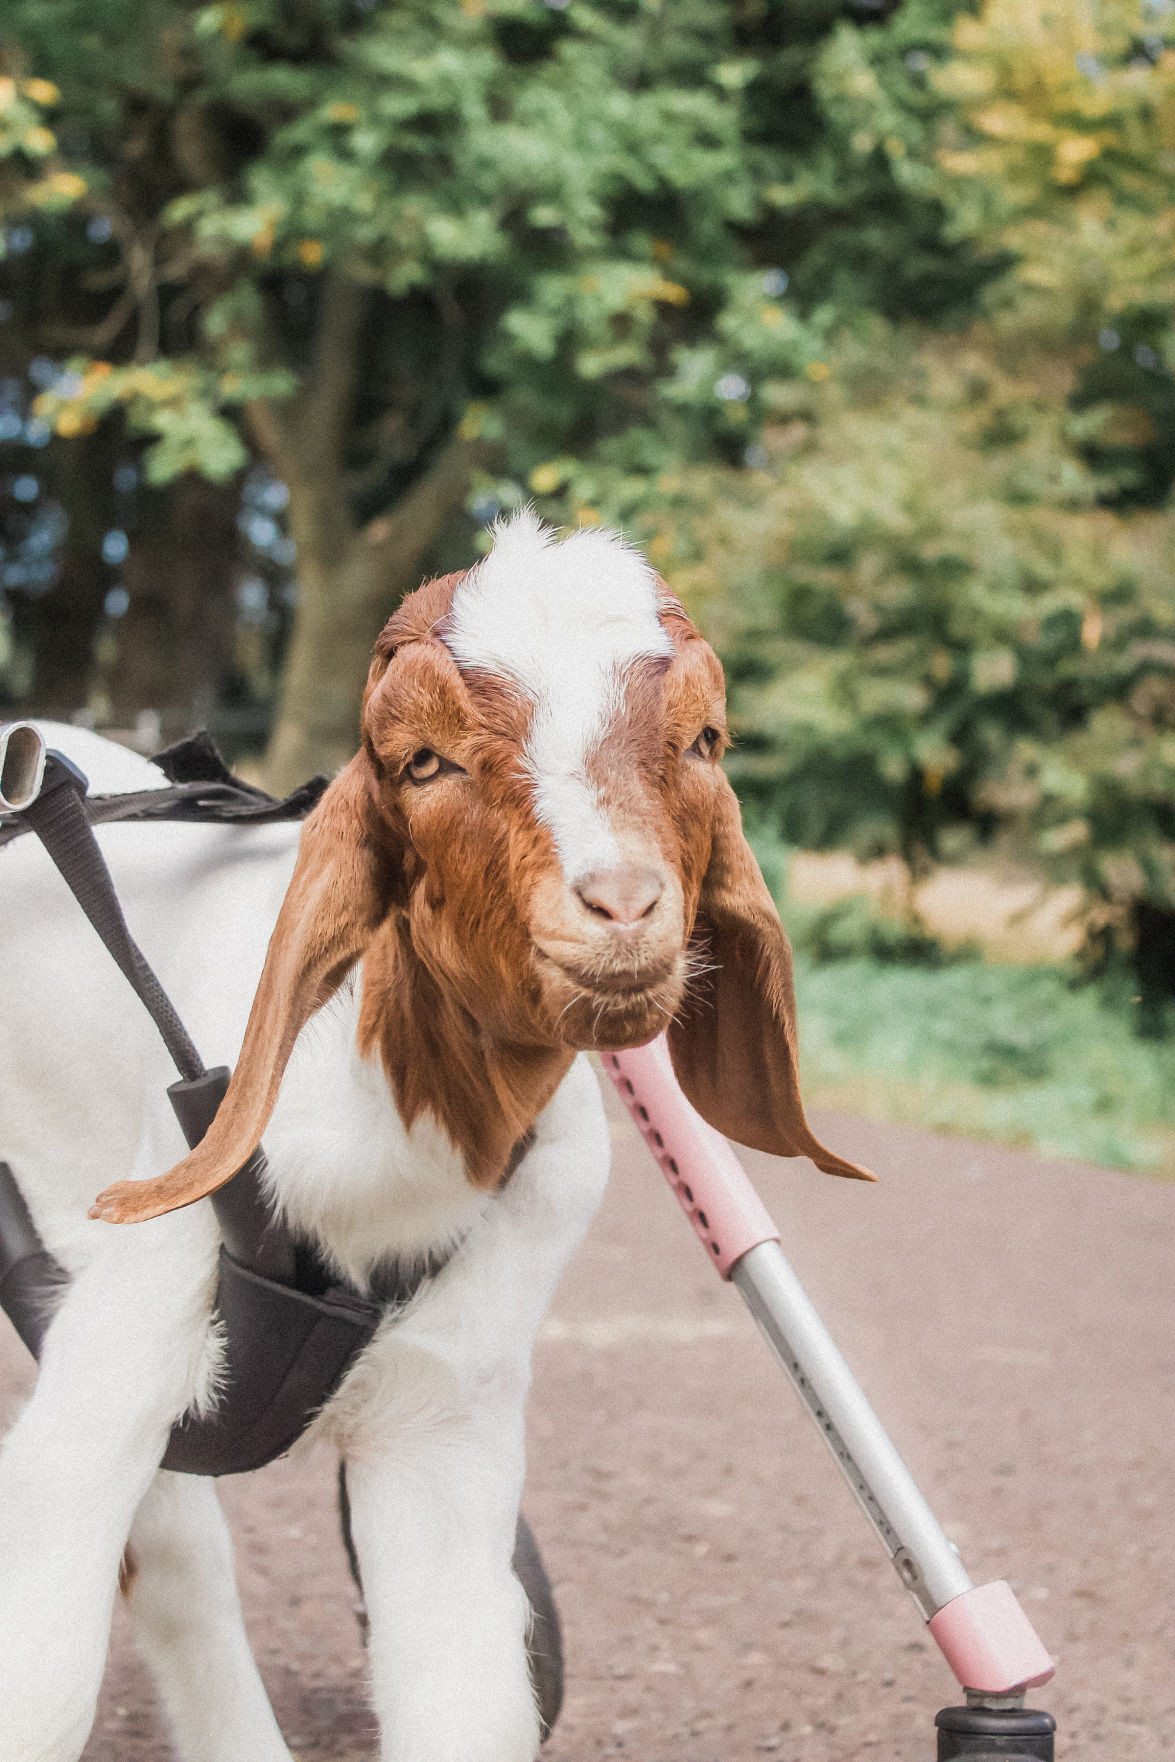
[(182, 1593), (432, 1426), (125, 1355), (433, 1520)]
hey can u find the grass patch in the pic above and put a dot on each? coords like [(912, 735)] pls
[(1021, 1055)]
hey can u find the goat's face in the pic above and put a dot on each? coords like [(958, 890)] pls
[(543, 735), (536, 825)]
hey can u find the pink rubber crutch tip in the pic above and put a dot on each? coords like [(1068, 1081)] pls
[(989, 1642)]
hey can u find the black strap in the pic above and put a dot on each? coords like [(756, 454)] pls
[(58, 817), (291, 1328), (202, 791)]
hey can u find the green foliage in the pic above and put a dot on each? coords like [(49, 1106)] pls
[(865, 332), (1011, 1053), (1060, 149), (551, 204), (179, 406), (942, 635), (572, 218), (850, 929), (944, 617)]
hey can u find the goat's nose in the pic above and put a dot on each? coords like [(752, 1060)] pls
[(623, 895)]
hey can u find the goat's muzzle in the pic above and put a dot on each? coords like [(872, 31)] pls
[(610, 956)]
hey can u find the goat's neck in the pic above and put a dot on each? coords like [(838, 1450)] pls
[(485, 1093)]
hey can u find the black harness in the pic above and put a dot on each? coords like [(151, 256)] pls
[(292, 1328)]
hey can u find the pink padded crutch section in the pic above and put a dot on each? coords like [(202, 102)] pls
[(989, 1642), (726, 1213)]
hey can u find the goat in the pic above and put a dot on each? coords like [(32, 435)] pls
[(533, 854)]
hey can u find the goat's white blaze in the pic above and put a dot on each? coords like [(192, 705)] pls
[(563, 621)]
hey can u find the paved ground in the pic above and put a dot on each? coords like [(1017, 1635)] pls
[(723, 1599)]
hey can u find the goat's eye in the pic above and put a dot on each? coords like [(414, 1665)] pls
[(704, 746), (424, 764)]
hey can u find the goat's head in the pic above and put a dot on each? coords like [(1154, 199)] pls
[(536, 840)]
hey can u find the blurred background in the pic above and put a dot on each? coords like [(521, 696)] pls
[(860, 317)]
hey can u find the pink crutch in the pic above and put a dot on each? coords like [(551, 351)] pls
[(981, 1630)]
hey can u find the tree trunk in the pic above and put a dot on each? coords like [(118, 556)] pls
[(63, 628), (1154, 966), (64, 624), (347, 593), (173, 644), (349, 579)]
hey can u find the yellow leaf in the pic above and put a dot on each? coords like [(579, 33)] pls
[(68, 184), (1091, 628), (262, 240), (818, 371), (1073, 153), (39, 140), (7, 92), (40, 91), (671, 293), (545, 479), (588, 516), (310, 252), (343, 113), (472, 422), (771, 316), (961, 164), (232, 22)]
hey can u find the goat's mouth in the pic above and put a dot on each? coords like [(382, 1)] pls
[(611, 1009)]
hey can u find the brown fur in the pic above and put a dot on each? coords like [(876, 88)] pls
[(128, 1572), (483, 971)]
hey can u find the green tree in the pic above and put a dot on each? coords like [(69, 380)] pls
[(948, 616), (1060, 151), (384, 249), (396, 253)]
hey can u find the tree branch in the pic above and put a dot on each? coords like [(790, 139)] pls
[(393, 543), (324, 404), (270, 434)]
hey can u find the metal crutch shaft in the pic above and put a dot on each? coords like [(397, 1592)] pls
[(982, 1631)]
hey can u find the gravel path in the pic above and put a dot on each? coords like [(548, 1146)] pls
[(723, 1599)]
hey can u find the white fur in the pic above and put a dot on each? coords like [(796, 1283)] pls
[(431, 1416), (563, 621)]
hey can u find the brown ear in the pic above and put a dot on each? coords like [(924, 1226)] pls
[(336, 898), (734, 1044)]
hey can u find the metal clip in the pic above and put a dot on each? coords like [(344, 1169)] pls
[(22, 765)]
